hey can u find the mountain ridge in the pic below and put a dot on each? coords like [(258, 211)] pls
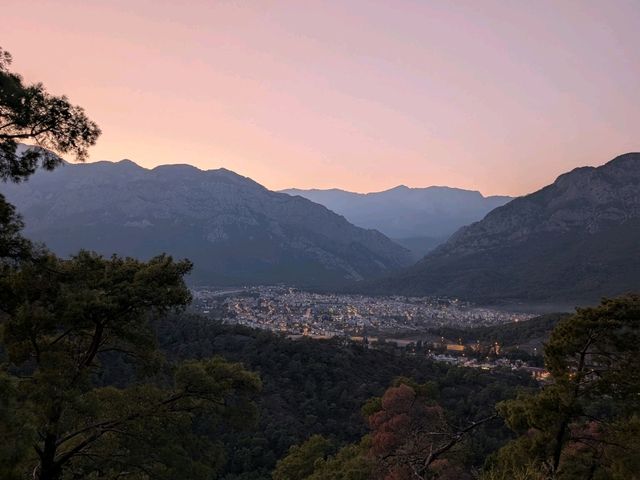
[(400, 187), (575, 239), (235, 230), (418, 218)]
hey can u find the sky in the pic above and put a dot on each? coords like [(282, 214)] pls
[(496, 96)]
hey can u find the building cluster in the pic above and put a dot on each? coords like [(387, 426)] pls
[(539, 373), (393, 322), (297, 312)]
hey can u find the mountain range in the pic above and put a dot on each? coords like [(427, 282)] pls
[(233, 229), (417, 218), (575, 240)]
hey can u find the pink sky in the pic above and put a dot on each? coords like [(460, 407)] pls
[(498, 96)]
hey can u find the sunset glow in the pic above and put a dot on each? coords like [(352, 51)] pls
[(362, 95)]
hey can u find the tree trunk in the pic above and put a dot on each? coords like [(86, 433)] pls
[(49, 468)]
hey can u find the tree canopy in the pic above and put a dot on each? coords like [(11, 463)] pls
[(585, 423), (410, 438), (13, 246), (582, 424), (30, 114), (61, 319)]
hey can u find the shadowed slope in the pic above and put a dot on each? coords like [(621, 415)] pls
[(576, 239), (232, 228)]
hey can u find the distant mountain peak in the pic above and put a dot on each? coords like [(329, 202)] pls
[(404, 212), (177, 168), (628, 158), (126, 161)]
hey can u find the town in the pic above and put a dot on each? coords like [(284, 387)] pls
[(297, 312), (394, 323)]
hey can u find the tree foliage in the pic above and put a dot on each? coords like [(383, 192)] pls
[(13, 246), (28, 113), (302, 459), (319, 387), (411, 437), (584, 423), (60, 320), (351, 462)]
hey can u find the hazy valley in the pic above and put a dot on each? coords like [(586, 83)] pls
[(417, 218)]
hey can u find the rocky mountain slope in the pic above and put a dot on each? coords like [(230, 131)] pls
[(233, 229), (576, 239), (418, 218)]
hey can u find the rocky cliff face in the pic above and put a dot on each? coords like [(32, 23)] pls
[(232, 228), (576, 239), (586, 199)]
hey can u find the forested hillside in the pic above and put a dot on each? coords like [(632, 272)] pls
[(511, 334), (319, 387)]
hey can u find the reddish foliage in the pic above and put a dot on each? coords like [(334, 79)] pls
[(405, 432)]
